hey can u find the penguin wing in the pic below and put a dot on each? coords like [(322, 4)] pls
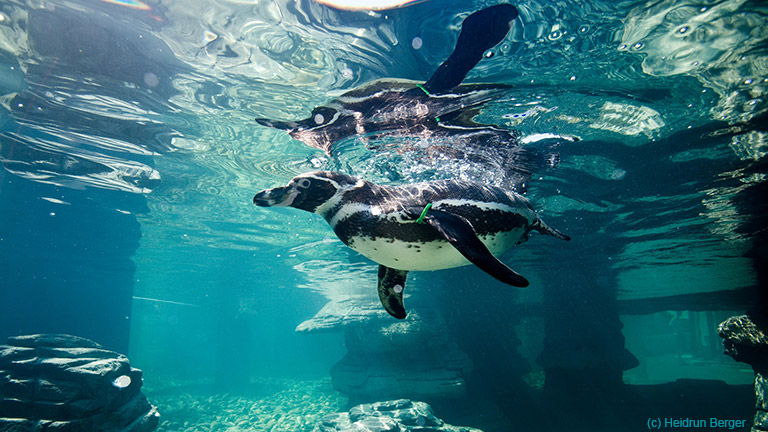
[(391, 287), (479, 32), (458, 231)]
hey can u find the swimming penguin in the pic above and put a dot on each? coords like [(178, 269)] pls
[(436, 108), (424, 226)]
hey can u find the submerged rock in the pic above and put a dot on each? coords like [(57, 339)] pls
[(68, 383), (337, 315), (747, 342), (429, 365), (744, 341), (401, 415)]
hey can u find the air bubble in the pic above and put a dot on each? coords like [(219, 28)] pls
[(555, 35), (417, 43), (623, 47), (319, 119), (397, 288), (584, 29), (573, 78), (122, 381), (748, 81), (209, 36), (489, 54), (683, 30), (151, 80), (638, 46), (515, 115)]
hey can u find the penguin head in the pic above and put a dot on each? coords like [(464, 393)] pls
[(307, 191), (325, 126)]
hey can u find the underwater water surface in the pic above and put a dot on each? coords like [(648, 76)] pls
[(130, 156)]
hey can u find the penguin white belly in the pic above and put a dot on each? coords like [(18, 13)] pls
[(434, 255)]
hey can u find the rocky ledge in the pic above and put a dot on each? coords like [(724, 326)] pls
[(67, 383), (401, 415), (747, 342), (338, 315), (389, 359)]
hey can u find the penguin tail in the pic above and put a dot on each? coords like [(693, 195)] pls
[(543, 228)]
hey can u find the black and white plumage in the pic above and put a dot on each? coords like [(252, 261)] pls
[(394, 107), (437, 108), (467, 222)]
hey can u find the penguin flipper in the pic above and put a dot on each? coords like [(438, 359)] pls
[(458, 231), (479, 32), (391, 287)]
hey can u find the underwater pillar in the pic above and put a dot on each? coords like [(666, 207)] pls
[(480, 316), (584, 355), (65, 261), (233, 344)]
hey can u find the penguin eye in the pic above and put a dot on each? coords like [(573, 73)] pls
[(303, 183), (322, 115)]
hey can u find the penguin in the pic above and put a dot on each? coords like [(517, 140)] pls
[(437, 108), (425, 226)]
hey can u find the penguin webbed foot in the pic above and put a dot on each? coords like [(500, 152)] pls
[(391, 287)]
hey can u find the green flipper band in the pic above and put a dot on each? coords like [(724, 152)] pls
[(437, 119), (424, 213), (423, 89)]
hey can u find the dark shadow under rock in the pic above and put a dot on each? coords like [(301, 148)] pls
[(68, 383)]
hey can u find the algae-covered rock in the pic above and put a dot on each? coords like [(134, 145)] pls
[(67, 383), (402, 415), (746, 342)]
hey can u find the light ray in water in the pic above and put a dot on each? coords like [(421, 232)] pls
[(367, 4), (133, 4), (165, 301)]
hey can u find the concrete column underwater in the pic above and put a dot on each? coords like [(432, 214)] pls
[(66, 267)]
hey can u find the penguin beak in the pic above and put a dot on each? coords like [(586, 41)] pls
[(277, 124), (277, 197)]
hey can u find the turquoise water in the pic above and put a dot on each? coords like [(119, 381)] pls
[(130, 158)]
